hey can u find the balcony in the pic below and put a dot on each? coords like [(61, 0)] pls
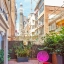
[(56, 18), (40, 24), (2, 12), (41, 10), (3, 17)]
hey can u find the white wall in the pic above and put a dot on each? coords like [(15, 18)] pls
[(54, 2)]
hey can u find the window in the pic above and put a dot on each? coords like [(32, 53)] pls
[(52, 27), (41, 2), (41, 21), (41, 9), (41, 31), (0, 40)]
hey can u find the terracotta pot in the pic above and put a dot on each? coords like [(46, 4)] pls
[(54, 58)]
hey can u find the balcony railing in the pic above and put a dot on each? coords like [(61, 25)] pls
[(4, 13), (57, 17)]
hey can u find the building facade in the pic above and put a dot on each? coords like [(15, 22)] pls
[(12, 19), (4, 13), (31, 26), (56, 20), (41, 25), (7, 24), (43, 13)]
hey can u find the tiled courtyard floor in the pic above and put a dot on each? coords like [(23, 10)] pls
[(29, 62)]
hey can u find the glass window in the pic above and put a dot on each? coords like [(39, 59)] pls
[(0, 40), (41, 21), (41, 2), (41, 9)]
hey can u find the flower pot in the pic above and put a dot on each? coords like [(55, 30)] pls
[(50, 58), (22, 59), (54, 58), (60, 59)]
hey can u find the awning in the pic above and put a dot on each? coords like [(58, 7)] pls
[(60, 23)]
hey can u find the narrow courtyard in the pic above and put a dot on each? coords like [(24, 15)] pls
[(31, 31)]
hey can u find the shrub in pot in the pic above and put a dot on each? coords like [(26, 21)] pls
[(22, 52), (50, 44), (54, 43)]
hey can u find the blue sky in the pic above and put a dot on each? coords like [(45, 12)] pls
[(26, 8)]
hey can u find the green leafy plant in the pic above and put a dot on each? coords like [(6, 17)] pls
[(22, 50), (51, 41), (60, 46), (54, 42), (1, 56), (9, 52)]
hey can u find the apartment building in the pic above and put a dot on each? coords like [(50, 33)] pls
[(56, 20), (6, 25), (31, 25), (12, 19), (43, 13), (40, 22)]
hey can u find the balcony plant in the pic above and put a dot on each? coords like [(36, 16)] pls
[(22, 52)]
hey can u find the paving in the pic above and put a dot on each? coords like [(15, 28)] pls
[(13, 61)]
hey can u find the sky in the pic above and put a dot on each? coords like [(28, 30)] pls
[(27, 6)]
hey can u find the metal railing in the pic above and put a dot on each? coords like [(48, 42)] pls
[(57, 17)]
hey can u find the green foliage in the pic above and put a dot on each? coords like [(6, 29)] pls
[(60, 46), (22, 50), (54, 42), (1, 56), (50, 42), (9, 52)]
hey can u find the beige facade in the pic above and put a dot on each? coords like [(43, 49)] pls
[(12, 19), (41, 22), (57, 19), (7, 24)]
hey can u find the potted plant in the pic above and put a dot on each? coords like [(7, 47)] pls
[(51, 41), (60, 47), (22, 52), (54, 43)]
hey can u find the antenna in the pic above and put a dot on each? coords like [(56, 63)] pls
[(31, 6)]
